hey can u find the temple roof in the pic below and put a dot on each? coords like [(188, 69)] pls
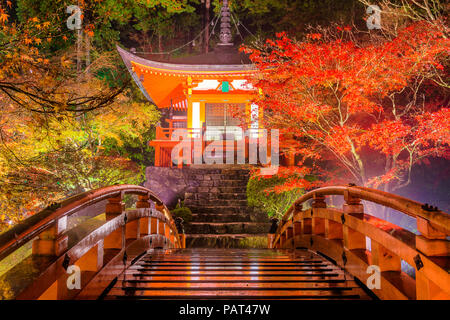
[(219, 60), (164, 83)]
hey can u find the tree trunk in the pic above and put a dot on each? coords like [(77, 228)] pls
[(160, 49), (79, 46), (207, 21), (88, 50)]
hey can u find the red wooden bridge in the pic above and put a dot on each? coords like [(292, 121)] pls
[(91, 247)]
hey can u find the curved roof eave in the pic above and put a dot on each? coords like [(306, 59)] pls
[(127, 62), (128, 57)]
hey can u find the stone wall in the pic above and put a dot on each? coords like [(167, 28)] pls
[(171, 184), (167, 183)]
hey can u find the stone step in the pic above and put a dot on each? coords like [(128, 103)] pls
[(215, 196), (219, 209), (225, 181), (192, 171), (221, 183), (227, 228), (215, 202), (218, 174), (226, 240), (226, 217), (209, 190)]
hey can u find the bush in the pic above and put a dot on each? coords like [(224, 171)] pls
[(183, 212), (260, 195)]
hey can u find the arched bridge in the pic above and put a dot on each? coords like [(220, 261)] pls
[(91, 247)]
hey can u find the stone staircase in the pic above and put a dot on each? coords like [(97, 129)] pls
[(221, 216)]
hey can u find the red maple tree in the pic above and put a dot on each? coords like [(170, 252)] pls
[(372, 109)]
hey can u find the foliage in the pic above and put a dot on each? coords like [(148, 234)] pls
[(182, 212), (265, 17), (67, 156), (253, 242), (62, 132), (374, 109), (104, 20), (275, 194)]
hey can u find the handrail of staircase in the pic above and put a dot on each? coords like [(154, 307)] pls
[(341, 235)]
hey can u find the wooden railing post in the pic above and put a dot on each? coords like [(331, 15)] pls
[(270, 238), (172, 237), (153, 225), (297, 231), (307, 223), (431, 242), (290, 237), (114, 208), (161, 227), (318, 224), (183, 240), (333, 230), (144, 222), (352, 238), (272, 233), (93, 259), (282, 239), (384, 258), (52, 242), (167, 230), (132, 230)]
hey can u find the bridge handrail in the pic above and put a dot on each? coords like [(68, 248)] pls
[(20, 234), (341, 235), (439, 219)]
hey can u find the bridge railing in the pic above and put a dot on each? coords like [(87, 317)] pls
[(341, 235), (123, 235)]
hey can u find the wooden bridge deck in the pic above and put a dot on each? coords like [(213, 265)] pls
[(235, 274)]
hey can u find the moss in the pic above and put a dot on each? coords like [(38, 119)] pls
[(182, 212), (253, 242)]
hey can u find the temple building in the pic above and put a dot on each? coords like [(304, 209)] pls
[(200, 93)]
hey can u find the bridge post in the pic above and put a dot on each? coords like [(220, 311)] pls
[(183, 240), (290, 237), (352, 238), (318, 224), (167, 230), (431, 242), (307, 223), (333, 230), (270, 238), (144, 222), (132, 230), (427, 289), (114, 208), (384, 258), (161, 230), (153, 225), (52, 242), (282, 239), (172, 238)]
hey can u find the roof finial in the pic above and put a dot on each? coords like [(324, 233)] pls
[(225, 25)]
